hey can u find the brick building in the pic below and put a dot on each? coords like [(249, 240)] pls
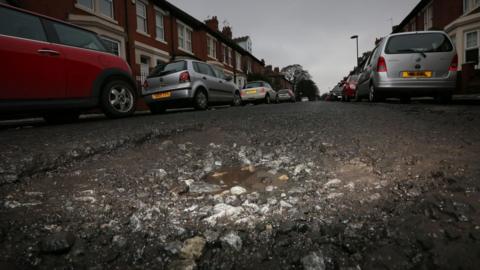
[(150, 32), (277, 78)]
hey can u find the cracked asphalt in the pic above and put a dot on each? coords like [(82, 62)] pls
[(292, 186)]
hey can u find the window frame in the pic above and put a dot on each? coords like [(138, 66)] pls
[(465, 44), (211, 47), (144, 19), (113, 41), (85, 7), (111, 8), (238, 64), (157, 27), (96, 10), (187, 37)]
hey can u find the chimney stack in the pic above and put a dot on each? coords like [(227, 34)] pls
[(277, 70), (212, 23), (227, 32)]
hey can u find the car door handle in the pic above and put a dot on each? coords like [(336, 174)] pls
[(205, 78), (48, 52), (220, 81)]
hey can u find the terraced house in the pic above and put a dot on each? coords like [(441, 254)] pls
[(150, 32)]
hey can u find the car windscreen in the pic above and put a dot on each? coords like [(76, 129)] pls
[(170, 68), (418, 43), (254, 84)]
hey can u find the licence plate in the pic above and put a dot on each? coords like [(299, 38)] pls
[(251, 91), (162, 95), (417, 74)]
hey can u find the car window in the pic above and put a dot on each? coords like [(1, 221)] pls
[(268, 86), (203, 68), (22, 25), (72, 36), (413, 43), (219, 73), (170, 68), (254, 84)]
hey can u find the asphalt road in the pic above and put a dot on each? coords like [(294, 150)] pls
[(292, 186)]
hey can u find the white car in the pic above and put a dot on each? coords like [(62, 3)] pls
[(258, 92)]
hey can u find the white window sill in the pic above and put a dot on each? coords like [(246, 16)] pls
[(185, 50), (91, 11), (161, 41), (143, 33)]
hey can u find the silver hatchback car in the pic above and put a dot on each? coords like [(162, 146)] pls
[(187, 83), (415, 64)]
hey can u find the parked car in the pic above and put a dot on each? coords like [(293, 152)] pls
[(186, 83), (285, 95), (350, 88), (58, 70), (336, 93), (258, 92), (414, 64)]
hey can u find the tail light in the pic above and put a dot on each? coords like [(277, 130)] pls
[(454, 64), (353, 86), (184, 77), (145, 84), (382, 65)]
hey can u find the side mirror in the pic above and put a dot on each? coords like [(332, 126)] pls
[(229, 78)]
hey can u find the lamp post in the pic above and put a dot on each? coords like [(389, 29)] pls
[(356, 38)]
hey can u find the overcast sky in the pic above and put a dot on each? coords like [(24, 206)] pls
[(313, 33)]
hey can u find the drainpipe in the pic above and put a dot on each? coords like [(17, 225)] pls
[(127, 41), (172, 37)]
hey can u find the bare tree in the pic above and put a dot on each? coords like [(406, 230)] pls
[(295, 74)]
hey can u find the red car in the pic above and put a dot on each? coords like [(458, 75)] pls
[(58, 70), (350, 88)]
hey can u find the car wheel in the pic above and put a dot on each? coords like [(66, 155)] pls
[(373, 95), (61, 117), (237, 99), (156, 109), (277, 100), (405, 100), (443, 98), (200, 101), (118, 99), (267, 99), (358, 98)]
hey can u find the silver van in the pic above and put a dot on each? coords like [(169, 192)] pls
[(187, 83), (405, 65)]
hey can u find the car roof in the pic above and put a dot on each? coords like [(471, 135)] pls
[(45, 17), (416, 32)]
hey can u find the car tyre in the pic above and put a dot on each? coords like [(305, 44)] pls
[(267, 99), (237, 100), (277, 100), (118, 99), (373, 95), (200, 101), (62, 117)]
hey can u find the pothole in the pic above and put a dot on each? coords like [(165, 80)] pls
[(249, 177)]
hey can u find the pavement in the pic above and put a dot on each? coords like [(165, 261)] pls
[(313, 185)]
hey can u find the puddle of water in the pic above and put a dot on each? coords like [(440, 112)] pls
[(249, 177)]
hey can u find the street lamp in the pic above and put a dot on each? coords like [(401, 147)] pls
[(356, 38)]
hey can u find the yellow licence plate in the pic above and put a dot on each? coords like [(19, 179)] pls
[(417, 74), (162, 95), (251, 91)]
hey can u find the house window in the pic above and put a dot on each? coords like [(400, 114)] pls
[(471, 47), (141, 17), (238, 61), (159, 27), (111, 45), (469, 5), (184, 37), (249, 66), (86, 3), (106, 8), (99, 7), (212, 47), (225, 54), (230, 60), (428, 18)]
